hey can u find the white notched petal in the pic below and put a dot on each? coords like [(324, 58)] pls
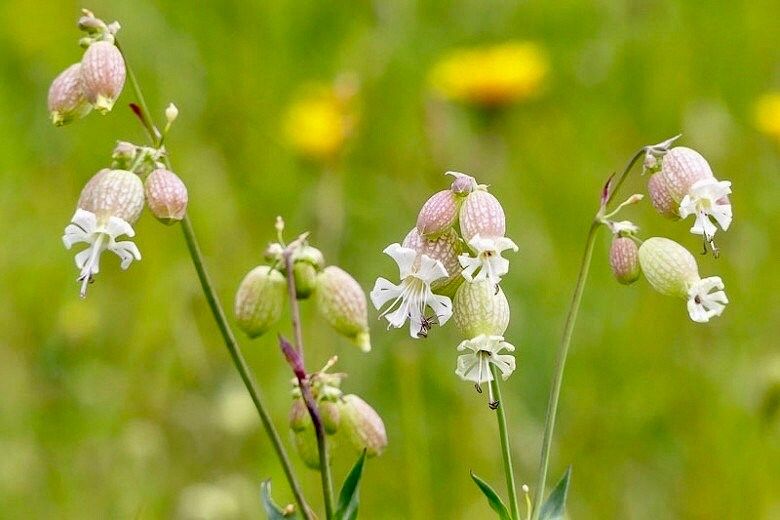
[(441, 305), (82, 257), (86, 220), (383, 292), (484, 351), (127, 252), (430, 270), (404, 257), (488, 259), (116, 227)]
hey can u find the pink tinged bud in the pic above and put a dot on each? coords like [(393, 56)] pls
[(661, 198), (260, 300), (299, 416), (342, 302), (67, 101), (482, 214), (624, 260), (438, 214), (102, 75), (114, 193), (166, 196), (445, 248), (362, 425), (480, 308), (463, 184), (681, 167), (669, 267)]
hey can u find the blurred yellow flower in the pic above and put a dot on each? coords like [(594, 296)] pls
[(320, 119), (767, 113), (491, 76)]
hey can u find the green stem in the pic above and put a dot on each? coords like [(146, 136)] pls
[(505, 450), (219, 316), (568, 330)]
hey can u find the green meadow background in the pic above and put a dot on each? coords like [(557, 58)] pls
[(126, 405)]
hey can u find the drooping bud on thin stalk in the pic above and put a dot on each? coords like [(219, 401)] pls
[(482, 214), (438, 214), (307, 262), (363, 426), (166, 196), (342, 302), (480, 308), (260, 300), (67, 100), (103, 75), (624, 260)]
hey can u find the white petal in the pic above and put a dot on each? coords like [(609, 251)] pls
[(127, 251), (86, 220), (504, 243), (383, 292), (470, 265), (73, 235), (116, 227), (722, 214), (441, 306), (82, 257), (404, 257), (430, 270)]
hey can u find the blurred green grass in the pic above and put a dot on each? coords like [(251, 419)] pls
[(126, 404)]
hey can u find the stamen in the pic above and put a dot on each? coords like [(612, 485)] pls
[(87, 271)]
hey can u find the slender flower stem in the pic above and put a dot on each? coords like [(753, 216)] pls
[(304, 382), (219, 314), (571, 319), (505, 450)]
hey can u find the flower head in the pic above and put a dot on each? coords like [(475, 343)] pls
[(100, 235), (488, 260), (703, 303), (482, 352), (410, 298), (708, 199)]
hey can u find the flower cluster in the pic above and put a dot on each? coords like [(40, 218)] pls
[(451, 263), (112, 201), (681, 184), (94, 82), (491, 76), (345, 415), (340, 300)]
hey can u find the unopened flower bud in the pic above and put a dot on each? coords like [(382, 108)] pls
[(102, 75), (260, 300), (481, 214), (67, 100), (668, 266), (480, 308), (166, 196), (362, 425), (342, 302), (123, 154), (311, 255), (305, 279), (463, 184), (624, 260), (305, 443), (171, 113), (114, 193), (299, 417), (445, 248), (91, 25), (661, 198), (330, 414), (438, 214), (681, 168)]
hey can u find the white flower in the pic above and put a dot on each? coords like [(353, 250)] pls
[(100, 235), (488, 260), (484, 351), (624, 227), (703, 304), (413, 294), (705, 199)]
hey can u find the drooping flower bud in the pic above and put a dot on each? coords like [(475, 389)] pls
[(362, 425), (480, 308), (305, 443), (661, 198), (114, 193), (307, 261), (482, 214), (260, 300), (671, 270), (299, 418), (624, 260), (681, 168), (463, 184), (171, 113), (67, 101), (166, 196), (102, 75), (445, 248), (342, 302), (330, 413), (438, 214)]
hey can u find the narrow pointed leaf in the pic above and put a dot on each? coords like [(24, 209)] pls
[(273, 511), (495, 502), (349, 495), (555, 506)]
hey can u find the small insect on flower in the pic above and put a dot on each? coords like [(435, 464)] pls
[(426, 324)]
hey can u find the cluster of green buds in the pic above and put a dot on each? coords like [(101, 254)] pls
[(94, 82), (112, 201), (681, 184), (338, 297), (344, 416), (451, 263)]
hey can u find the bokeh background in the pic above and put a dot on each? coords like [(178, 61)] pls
[(126, 405)]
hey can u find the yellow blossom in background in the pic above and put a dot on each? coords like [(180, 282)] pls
[(491, 76), (767, 114), (321, 119)]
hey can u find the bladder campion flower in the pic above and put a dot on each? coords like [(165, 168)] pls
[(481, 352), (707, 199), (488, 260), (491, 76), (413, 295)]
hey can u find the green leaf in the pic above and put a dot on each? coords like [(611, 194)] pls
[(555, 506), (271, 509), (348, 496), (496, 504)]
